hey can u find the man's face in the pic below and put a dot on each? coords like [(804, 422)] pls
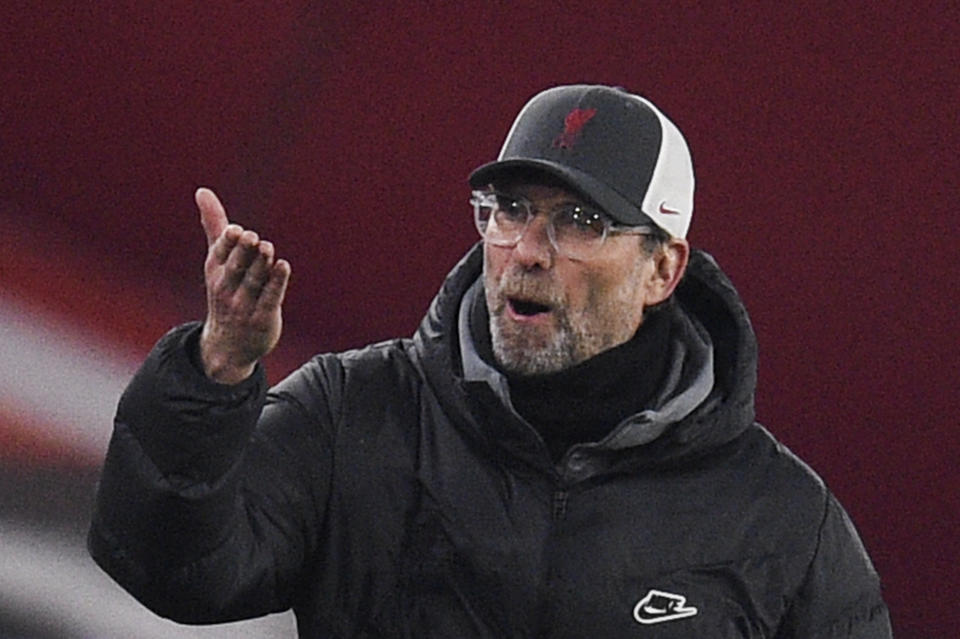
[(548, 312)]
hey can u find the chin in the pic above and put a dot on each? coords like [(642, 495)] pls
[(526, 355)]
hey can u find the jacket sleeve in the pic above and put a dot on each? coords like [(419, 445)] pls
[(211, 495), (840, 596)]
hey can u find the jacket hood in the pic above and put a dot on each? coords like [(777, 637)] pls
[(708, 399)]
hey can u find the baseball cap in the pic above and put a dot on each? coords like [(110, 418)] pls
[(614, 147)]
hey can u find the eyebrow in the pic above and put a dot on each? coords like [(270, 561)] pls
[(568, 197)]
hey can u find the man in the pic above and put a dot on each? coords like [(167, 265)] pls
[(566, 447)]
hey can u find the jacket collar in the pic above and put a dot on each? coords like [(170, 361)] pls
[(706, 401)]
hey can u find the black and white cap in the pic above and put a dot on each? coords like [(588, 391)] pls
[(614, 147)]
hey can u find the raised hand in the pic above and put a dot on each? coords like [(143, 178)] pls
[(245, 289)]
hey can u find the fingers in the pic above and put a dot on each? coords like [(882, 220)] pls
[(244, 253), (221, 249), (213, 217), (259, 269), (271, 296), (250, 266)]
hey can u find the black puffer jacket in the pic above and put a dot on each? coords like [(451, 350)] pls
[(392, 492)]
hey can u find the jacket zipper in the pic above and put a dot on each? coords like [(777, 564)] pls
[(559, 504)]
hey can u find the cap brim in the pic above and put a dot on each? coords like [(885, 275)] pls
[(614, 204)]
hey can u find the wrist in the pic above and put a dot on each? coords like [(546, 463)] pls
[(219, 366), (226, 373)]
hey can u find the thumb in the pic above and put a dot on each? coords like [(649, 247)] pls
[(213, 217)]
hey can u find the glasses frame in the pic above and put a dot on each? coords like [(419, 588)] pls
[(477, 198)]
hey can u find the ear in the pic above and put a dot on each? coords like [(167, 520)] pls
[(669, 264)]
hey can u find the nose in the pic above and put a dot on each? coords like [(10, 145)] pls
[(534, 247)]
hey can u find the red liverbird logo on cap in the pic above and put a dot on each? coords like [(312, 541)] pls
[(572, 125)]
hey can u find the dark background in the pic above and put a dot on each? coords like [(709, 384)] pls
[(824, 138)]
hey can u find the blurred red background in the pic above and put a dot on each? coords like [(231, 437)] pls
[(824, 138)]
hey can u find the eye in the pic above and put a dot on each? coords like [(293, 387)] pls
[(510, 208), (582, 221)]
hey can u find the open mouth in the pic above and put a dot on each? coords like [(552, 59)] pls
[(527, 308)]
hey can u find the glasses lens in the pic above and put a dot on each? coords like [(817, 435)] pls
[(578, 230), (500, 219), (483, 205), (575, 230)]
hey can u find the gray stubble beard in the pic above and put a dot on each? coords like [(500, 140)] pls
[(522, 355)]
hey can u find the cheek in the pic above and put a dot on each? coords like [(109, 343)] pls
[(492, 266), (590, 293), (620, 297)]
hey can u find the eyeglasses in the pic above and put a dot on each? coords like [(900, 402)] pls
[(576, 231)]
